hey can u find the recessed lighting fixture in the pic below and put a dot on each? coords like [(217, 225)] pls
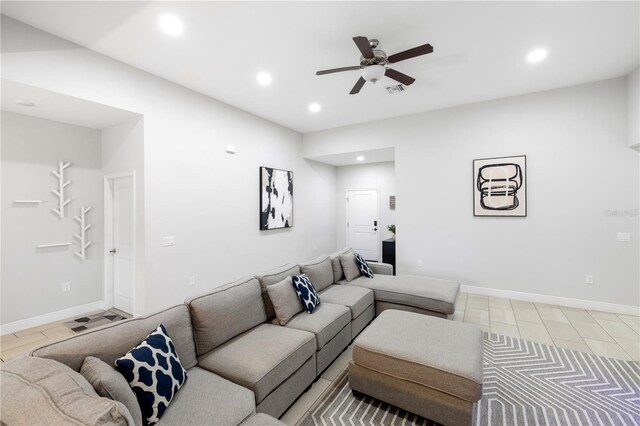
[(264, 78), (171, 25), (26, 103), (359, 158), (314, 107), (536, 55)]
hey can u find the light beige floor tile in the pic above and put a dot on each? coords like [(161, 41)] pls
[(604, 316), (475, 301), (475, 316), (7, 339), (608, 349), (534, 332), (60, 331), (632, 347), (7, 354), (28, 331), (499, 302), (305, 402), (591, 331), (545, 306), (504, 316), (633, 322), (520, 304), (527, 315), (574, 314), (552, 314), (458, 316), (22, 341), (574, 346), (338, 365), (562, 331), (505, 329), (618, 329)]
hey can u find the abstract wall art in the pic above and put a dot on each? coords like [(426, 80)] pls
[(276, 198), (500, 186)]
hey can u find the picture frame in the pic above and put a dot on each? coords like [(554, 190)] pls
[(500, 186), (276, 198)]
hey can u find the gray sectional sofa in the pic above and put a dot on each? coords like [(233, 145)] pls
[(240, 360)]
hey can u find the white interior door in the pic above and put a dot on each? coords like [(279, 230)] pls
[(122, 243), (362, 223)]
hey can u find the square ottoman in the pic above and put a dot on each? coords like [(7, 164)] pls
[(428, 366)]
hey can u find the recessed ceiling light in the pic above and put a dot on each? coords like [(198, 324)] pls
[(536, 55), (359, 158), (171, 25), (26, 103), (314, 107), (264, 78)]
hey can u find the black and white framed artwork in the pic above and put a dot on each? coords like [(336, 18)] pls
[(276, 198), (500, 186)]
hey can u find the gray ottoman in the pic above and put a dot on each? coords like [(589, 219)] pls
[(426, 365)]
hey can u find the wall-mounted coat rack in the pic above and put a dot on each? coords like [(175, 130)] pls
[(82, 236), (61, 186), (53, 245)]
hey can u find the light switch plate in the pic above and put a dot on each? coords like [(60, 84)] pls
[(624, 236), (168, 241)]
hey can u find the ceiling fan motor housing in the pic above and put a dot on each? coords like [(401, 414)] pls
[(379, 58)]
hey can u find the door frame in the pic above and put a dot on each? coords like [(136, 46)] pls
[(108, 237), (346, 213)]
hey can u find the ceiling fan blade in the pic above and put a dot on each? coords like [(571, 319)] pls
[(361, 81), (411, 53), (398, 76), (364, 46), (353, 68)]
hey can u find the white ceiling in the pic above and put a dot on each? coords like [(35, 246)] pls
[(479, 49), (349, 158), (59, 107)]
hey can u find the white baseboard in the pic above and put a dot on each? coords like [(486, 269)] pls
[(12, 327), (553, 300)]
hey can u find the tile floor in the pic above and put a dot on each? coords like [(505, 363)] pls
[(601, 333)]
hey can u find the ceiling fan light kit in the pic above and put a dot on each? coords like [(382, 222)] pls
[(374, 63)]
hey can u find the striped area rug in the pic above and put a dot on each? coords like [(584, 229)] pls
[(525, 383)]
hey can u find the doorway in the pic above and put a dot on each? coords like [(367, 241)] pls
[(120, 242), (362, 223)]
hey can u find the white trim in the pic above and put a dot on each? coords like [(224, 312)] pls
[(68, 313), (553, 300)]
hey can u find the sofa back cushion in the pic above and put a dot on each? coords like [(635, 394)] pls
[(338, 274), (319, 271), (114, 340), (39, 391), (274, 276), (226, 312)]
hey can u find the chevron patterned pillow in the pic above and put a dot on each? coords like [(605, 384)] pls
[(306, 292)]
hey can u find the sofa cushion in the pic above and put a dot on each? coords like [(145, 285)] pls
[(39, 391), (261, 358), (411, 290), (274, 276), (226, 312), (434, 352), (325, 322), (154, 372), (319, 271), (349, 266), (111, 341), (285, 300), (306, 292), (338, 274), (208, 399), (358, 299), (262, 419), (109, 383)]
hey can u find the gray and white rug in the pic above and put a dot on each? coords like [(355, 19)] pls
[(84, 323), (525, 383)]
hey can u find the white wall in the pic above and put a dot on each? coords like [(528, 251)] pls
[(194, 191), (380, 176), (633, 97), (578, 169), (32, 278)]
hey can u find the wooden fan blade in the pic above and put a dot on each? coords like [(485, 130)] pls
[(357, 67), (411, 53), (361, 81), (398, 76), (364, 46)]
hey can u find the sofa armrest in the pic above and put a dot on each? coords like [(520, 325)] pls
[(381, 268)]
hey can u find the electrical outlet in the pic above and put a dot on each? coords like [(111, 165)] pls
[(419, 263), (588, 279), (192, 281), (624, 237), (66, 287), (168, 241)]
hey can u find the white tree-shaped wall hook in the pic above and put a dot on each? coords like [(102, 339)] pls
[(61, 186), (82, 236)]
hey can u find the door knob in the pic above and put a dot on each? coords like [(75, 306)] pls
[(375, 229), (112, 251)]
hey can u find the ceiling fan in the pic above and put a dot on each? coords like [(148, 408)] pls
[(373, 63)]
